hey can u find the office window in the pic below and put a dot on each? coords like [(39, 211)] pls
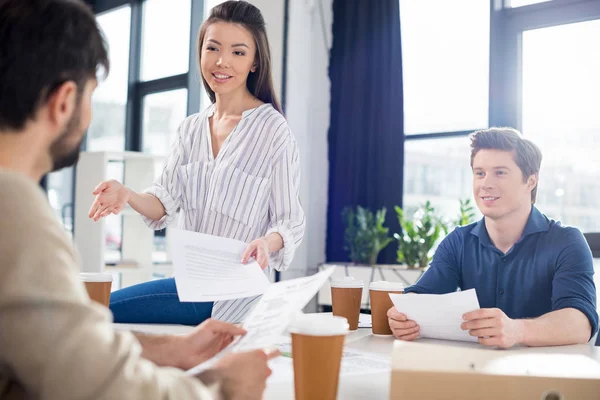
[(163, 113), (561, 82), (107, 129), (437, 170), (165, 38), (59, 187), (445, 63)]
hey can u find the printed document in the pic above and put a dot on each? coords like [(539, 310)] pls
[(268, 321), (439, 316), (209, 268)]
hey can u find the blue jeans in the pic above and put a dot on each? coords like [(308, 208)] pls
[(156, 302)]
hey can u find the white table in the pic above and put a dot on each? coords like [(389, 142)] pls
[(367, 386)]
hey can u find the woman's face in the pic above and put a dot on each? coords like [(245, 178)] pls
[(228, 56)]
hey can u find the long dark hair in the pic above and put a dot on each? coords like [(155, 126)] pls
[(260, 82)]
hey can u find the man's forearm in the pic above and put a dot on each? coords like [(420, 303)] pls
[(147, 204), (556, 328), (159, 348)]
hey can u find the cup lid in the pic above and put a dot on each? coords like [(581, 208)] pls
[(387, 286), (318, 325), (347, 282), (95, 277)]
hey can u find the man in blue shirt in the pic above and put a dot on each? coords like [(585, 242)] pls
[(533, 277)]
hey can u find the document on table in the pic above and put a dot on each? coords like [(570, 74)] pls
[(354, 362), (271, 316), (439, 316), (209, 268)]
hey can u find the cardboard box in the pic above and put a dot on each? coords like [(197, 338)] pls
[(447, 371)]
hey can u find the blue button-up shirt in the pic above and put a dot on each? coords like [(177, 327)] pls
[(548, 269)]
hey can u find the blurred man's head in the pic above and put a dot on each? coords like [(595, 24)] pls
[(50, 54)]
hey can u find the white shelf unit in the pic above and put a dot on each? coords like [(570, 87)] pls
[(90, 237)]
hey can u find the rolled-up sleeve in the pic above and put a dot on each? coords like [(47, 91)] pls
[(167, 187), (573, 284), (285, 211)]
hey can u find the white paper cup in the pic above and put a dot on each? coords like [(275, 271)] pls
[(98, 286), (317, 347), (379, 293)]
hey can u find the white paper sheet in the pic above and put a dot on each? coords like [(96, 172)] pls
[(439, 316), (354, 362), (271, 316), (273, 313), (209, 268)]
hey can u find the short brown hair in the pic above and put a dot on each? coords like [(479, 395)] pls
[(44, 43), (527, 155)]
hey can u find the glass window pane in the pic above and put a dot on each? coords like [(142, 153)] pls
[(438, 170), (445, 56), (165, 38), (113, 224), (163, 112), (107, 130), (521, 3), (59, 187), (561, 82)]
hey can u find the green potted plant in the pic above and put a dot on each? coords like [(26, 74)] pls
[(466, 213), (420, 235), (365, 235)]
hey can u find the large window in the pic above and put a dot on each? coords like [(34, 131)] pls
[(165, 38), (561, 87), (445, 63), (109, 103), (438, 171), (544, 79)]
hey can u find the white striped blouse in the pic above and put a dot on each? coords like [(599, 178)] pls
[(250, 190)]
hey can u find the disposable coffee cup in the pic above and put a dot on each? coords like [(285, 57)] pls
[(98, 286), (379, 293), (346, 295), (317, 346)]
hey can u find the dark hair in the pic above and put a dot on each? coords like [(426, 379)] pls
[(43, 44), (260, 82), (527, 155)]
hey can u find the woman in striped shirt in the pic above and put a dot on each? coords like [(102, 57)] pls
[(233, 171)]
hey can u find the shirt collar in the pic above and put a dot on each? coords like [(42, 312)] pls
[(536, 222)]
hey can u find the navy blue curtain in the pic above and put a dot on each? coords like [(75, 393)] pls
[(366, 138)]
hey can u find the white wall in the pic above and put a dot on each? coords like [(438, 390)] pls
[(272, 11), (308, 103)]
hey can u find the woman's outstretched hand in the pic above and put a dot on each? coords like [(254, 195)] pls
[(111, 198)]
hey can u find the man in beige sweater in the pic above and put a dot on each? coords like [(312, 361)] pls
[(54, 343)]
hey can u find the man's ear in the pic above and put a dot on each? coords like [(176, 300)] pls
[(62, 103), (532, 181)]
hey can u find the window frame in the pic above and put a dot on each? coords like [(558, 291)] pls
[(506, 27)]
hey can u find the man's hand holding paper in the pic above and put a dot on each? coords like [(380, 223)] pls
[(432, 316), (492, 327)]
